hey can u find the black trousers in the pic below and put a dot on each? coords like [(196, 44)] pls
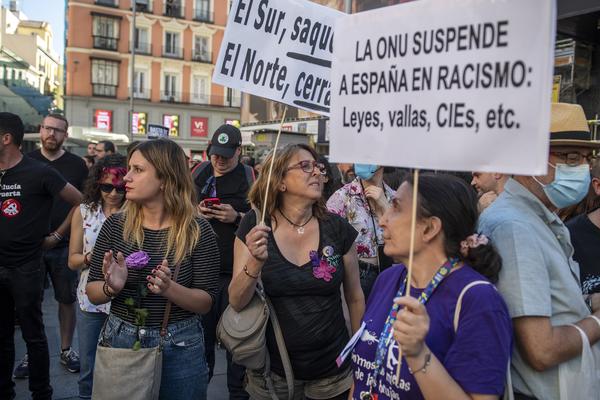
[(235, 373), (21, 291)]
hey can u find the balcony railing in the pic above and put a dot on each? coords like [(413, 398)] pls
[(106, 42), (104, 90), (171, 96), (142, 48), (140, 94), (204, 16), (173, 10), (202, 56), (172, 52), (108, 3)]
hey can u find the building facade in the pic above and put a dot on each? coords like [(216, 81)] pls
[(30, 69), (176, 44)]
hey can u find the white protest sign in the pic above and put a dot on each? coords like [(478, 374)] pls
[(281, 50), (460, 85)]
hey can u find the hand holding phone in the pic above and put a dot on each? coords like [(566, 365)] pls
[(211, 202)]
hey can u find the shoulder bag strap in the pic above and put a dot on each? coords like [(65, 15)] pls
[(287, 365), (165, 322), (508, 387)]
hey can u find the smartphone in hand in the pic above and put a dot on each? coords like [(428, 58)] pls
[(211, 202)]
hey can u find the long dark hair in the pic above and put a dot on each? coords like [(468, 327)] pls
[(451, 200), (91, 188)]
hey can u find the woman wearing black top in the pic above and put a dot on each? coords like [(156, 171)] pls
[(159, 219), (303, 255)]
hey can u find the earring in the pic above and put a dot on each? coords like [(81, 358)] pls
[(283, 188)]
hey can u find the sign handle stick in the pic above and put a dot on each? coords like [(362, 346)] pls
[(264, 206), (411, 250)]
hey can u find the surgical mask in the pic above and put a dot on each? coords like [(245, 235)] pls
[(365, 171), (570, 185)]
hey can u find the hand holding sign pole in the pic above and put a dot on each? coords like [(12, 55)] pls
[(264, 206), (411, 253)]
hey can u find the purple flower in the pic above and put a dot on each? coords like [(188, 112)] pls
[(324, 271), (137, 260)]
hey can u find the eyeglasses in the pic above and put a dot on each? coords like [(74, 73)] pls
[(108, 188), (53, 129), (308, 166), (574, 157)]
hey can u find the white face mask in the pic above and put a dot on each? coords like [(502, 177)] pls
[(570, 185)]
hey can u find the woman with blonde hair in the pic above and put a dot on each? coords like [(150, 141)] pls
[(302, 255), (135, 255)]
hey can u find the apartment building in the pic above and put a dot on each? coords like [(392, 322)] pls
[(176, 44), (30, 68)]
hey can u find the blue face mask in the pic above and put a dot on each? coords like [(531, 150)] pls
[(570, 185), (365, 171)]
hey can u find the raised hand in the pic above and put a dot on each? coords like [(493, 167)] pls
[(115, 271), (160, 280), (257, 240), (411, 326)]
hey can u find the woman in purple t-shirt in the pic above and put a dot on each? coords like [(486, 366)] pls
[(441, 358)]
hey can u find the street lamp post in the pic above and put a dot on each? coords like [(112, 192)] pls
[(131, 94)]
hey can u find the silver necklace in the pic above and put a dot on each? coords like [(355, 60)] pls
[(299, 227)]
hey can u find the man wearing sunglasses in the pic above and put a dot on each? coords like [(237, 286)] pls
[(53, 134), (539, 279), (222, 186), (27, 188)]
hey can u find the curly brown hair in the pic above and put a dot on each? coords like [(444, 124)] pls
[(91, 188)]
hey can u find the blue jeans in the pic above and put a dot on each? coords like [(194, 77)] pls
[(89, 326), (184, 370)]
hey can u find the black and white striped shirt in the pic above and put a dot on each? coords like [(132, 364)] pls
[(200, 270)]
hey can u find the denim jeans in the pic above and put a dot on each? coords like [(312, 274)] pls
[(184, 370), (89, 325), (21, 290)]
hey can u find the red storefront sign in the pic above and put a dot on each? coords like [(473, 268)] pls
[(199, 126)]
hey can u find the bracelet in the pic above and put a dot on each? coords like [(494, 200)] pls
[(424, 367), (588, 303), (106, 290), (56, 235), (595, 319), (249, 274)]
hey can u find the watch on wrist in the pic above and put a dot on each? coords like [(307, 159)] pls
[(238, 219)]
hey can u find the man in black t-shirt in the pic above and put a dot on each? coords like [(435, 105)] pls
[(27, 188), (53, 133), (225, 179), (585, 237)]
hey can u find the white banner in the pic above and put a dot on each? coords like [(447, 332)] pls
[(461, 85), (281, 50)]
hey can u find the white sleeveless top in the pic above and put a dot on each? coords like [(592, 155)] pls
[(92, 222)]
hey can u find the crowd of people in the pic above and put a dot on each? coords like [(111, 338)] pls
[(145, 252)]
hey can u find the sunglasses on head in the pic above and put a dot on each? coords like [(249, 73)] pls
[(108, 188)]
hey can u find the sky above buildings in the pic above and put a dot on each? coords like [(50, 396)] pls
[(52, 11)]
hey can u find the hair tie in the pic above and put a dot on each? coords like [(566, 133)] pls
[(471, 242)]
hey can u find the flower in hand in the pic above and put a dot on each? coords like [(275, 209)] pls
[(137, 260)]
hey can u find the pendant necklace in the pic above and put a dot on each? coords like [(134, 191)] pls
[(299, 227)]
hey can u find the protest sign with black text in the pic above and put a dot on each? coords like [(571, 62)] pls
[(460, 85), (280, 50)]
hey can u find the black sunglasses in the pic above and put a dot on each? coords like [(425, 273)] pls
[(108, 188)]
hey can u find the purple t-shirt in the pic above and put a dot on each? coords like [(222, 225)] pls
[(476, 356)]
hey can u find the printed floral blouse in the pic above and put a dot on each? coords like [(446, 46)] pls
[(349, 202), (92, 222)]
